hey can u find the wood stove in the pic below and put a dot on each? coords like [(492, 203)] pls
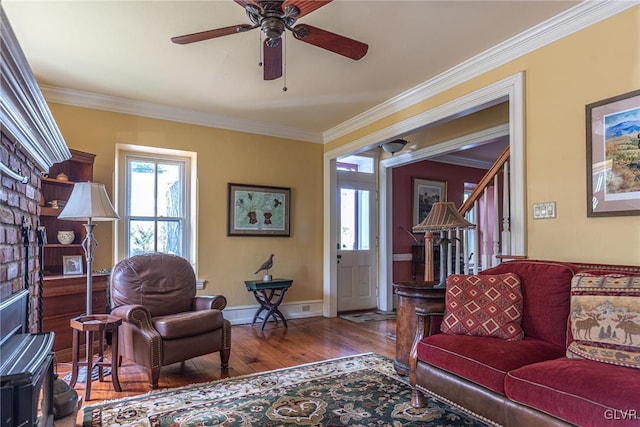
[(26, 368)]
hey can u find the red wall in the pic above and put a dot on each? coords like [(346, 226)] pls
[(402, 203)]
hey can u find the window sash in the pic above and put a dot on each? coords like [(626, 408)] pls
[(161, 235)]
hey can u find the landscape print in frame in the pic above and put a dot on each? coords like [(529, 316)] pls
[(426, 192), (257, 210), (613, 156)]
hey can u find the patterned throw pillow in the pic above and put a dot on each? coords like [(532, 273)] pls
[(605, 318), (486, 305)]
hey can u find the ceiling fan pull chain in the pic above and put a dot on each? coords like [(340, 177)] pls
[(284, 61), (260, 49)]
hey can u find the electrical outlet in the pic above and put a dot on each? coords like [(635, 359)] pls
[(544, 210)]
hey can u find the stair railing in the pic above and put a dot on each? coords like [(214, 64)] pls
[(491, 236)]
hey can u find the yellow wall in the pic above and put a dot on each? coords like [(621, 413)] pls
[(223, 157), (596, 63)]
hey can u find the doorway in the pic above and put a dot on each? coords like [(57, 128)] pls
[(356, 255), (509, 89)]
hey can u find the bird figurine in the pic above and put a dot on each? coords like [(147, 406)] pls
[(266, 266)]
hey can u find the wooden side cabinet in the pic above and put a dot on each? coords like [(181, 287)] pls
[(63, 298), (54, 195), (410, 296)]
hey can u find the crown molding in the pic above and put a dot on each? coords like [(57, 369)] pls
[(463, 161), (572, 20), (155, 111)]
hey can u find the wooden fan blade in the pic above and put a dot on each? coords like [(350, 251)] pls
[(330, 41), (244, 3), (305, 6), (211, 34), (272, 60)]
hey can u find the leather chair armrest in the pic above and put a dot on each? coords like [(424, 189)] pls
[(139, 340), (135, 314), (209, 302)]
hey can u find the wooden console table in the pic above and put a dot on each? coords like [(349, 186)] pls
[(269, 295), (410, 296)]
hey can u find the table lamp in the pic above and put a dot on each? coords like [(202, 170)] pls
[(89, 202), (442, 217)]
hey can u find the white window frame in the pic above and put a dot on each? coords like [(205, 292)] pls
[(189, 159)]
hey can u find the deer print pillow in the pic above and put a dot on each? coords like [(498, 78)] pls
[(605, 318)]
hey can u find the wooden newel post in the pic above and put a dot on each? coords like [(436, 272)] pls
[(428, 256)]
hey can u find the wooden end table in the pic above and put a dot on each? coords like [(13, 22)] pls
[(410, 296), (269, 295), (91, 325)]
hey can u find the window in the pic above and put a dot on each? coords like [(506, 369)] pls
[(362, 164), (155, 203), (354, 219)]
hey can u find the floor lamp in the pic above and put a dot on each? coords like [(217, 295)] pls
[(89, 202), (443, 217)]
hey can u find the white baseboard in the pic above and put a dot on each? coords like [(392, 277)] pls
[(240, 315)]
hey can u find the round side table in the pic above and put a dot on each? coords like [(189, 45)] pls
[(411, 295)]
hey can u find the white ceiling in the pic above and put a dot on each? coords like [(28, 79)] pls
[(119, 52)]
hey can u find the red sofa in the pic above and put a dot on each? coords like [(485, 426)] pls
[(532, 382)]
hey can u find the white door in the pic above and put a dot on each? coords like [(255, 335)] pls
[(356, 255)]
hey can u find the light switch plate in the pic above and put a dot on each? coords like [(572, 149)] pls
[(544, 210)]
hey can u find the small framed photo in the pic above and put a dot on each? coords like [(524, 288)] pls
[(257, 210), (613, 156), (71, 265), (426, 192)]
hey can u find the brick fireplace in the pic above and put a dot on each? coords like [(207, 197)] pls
[(18, 213)]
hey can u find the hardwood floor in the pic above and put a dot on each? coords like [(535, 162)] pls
[(253, 350)]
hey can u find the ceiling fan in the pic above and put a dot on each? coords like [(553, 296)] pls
[(273, 18)]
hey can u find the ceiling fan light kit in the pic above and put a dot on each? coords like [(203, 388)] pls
[(274, 18)]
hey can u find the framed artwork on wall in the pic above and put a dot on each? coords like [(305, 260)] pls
[(426, 192), (256, 210), (613, 156)]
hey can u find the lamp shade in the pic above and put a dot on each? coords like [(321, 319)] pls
[(443, 216), (88, 201)]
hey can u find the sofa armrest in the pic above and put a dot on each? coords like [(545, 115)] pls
[(425, 312), (209, 302)]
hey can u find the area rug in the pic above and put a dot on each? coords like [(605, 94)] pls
[(369, 316), (362, 390)]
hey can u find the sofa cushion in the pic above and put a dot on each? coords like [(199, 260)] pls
[(546, 289), (484, 360), (188, 323), (488, 305), (605, 318), (583, 392)]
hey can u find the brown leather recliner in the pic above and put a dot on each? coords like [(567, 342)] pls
[(163, 320)]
